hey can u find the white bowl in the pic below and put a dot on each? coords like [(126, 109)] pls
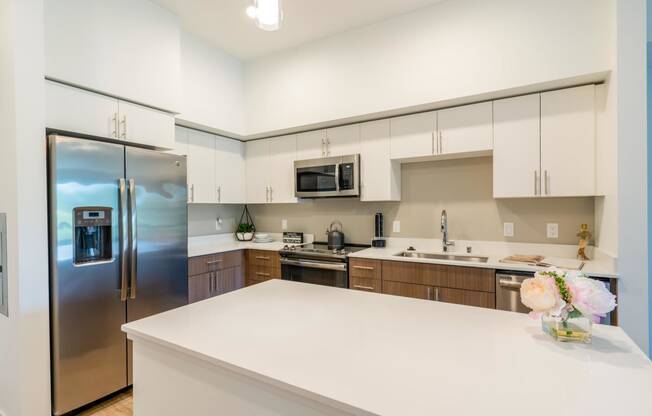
[(261, 236)]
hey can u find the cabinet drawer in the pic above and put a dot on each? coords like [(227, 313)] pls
[(456, 277), (263, 258), (214, 262), (409, 290), (365, 284), (263, 272), (467, 297), (370, 269)]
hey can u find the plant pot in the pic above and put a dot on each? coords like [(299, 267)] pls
[(568, 330), (245, 236)]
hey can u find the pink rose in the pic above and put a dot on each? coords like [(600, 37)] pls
[(590, 297), (540, 294)]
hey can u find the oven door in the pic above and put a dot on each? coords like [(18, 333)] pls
[(316, 272)]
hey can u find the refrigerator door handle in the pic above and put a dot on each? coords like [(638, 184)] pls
[(124, 238), (133, 238)]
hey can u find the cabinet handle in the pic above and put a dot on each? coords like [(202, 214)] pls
[(535, 184), (192, 193), (210, 284), (267, 194), (437, 294), (115, 125), (219, 194), (271, 194), (364, 267), (124, 127), (363, 287), (547, 178), (323, 144), (217, 282), (429, 293), (328, 146), (262, 258), (209, 263), (262, 274)]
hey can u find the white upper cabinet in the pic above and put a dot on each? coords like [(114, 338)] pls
[(568, 142), (229, 171), (465, 129), (201, 165), (344, 140), (282, 154), (380, 176), (180, 141), (311, 145), (124, 48), (258, 171), (516, 162), (144, 125), (79, 111), (413, 135)]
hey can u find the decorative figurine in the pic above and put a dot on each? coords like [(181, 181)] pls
[(584, 235)]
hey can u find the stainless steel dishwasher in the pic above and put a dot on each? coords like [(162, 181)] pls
[(508, 287)]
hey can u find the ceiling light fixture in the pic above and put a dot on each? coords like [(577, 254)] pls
[(267, 13)]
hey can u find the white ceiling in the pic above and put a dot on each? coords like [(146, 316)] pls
[(225, 24)]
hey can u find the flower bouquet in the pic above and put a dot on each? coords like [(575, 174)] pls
[(567, 303)]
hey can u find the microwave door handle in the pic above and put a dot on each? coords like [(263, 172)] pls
[(337, 177)]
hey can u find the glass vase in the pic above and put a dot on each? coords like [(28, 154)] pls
[(568, 329)]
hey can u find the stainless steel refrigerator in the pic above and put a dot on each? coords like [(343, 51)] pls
[(118, 252)]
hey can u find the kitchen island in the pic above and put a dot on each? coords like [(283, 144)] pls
[(285, 348)]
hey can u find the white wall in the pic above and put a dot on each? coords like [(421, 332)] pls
[(24, 336), (632, 169), (459, 48), (212, 87)]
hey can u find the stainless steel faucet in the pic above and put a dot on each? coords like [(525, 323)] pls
[(444, 231)]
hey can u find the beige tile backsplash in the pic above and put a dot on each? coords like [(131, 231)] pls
[(463, 187)]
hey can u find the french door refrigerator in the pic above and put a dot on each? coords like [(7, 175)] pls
[(118, 252)]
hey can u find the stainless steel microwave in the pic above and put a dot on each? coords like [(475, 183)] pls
[(327, 177)]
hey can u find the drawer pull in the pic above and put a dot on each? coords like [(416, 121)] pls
[(209, 263), (364, 267), (262, 274), (262, 258), (363, 287)]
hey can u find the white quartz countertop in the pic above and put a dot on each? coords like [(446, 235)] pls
[(561, 256), (374, 354), (222, 243)]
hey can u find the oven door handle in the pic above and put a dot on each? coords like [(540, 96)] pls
[(314, 265)]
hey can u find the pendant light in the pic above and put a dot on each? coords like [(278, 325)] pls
[(267, 14)]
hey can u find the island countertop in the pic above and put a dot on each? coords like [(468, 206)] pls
[(370, 354)]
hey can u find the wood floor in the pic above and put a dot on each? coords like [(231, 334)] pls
[(119, 405)]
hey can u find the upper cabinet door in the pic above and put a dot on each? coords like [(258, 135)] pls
[(516, 147), (465, 129), (125, 48), (282, 154), (229, 171), (143, 125), (258, 175), (568, 142), (413, 135), (380, 176), (79, 111), (201, 165), (180, 141), (344, 140), (311, 145)]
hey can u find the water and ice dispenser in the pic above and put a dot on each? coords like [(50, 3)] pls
[(92, 235)]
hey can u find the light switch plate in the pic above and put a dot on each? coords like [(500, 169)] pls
[(552, 230), (284, 224), (396, 226), (508, 229)]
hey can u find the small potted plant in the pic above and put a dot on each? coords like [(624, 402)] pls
[(246, 227), (567, 303)]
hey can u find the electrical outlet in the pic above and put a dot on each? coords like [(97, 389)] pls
[(284, 224), (508, 229), (218, 224), (552, 230), (396, 226)]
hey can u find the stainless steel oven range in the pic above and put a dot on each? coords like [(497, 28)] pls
[(317, 264)]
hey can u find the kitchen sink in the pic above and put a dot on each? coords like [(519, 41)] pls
[(435, 256)]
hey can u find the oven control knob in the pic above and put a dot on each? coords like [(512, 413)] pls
[(286, 247)]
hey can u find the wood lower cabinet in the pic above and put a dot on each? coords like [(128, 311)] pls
[(214, 275), (365, 275), (262, 265), (470, 286)]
